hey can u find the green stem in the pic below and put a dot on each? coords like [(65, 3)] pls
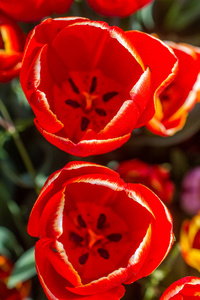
[(160, 273), (19, 144)]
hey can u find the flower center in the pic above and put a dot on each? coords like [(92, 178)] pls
[(93, 240), (89, 101)]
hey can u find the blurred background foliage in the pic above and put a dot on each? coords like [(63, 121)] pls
[(27, 159)]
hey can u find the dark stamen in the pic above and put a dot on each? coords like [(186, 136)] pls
[(108, 96), (84, 123), (76, 237), (83, 258), (81, 222), (103, 253), (101, 221), (74, 87), (54, 250), (100, 111), (93, 84), (72, 103), (114, 237)]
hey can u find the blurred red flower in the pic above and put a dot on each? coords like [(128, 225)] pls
[(178, 98), (120, 8), (155, 177), (96, 233), (90, 85), (20, 292), (12, 41), (33, 10), (186, 288)]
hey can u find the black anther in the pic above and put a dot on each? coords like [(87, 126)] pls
[(100, 111), (93, 84), (101, 221), (84, 123), (74, 87), (72, 103), (83, 258), (103, 253), (81, 222), (108, 96), (114, 237), (76, 237)]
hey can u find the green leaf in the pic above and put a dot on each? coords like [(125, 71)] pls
[(24, 268), (8, 243), (182, 14)]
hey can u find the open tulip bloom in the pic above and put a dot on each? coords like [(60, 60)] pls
[(187, 288), (96, 232), (90, 85)]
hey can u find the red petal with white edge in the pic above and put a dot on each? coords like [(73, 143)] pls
[(41, 35), (37, 98), (162, 231), (163, 71), (86, 147), (186, 286), (56, 289), (50, 222), (55, 182), (127, 117)]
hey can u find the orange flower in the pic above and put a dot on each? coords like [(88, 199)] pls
[(190, 241), (12, 41), (177, 99), (20, 291)]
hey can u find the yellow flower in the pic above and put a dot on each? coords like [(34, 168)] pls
[(190, 241)]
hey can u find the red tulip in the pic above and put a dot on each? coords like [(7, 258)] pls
[(178, 99), (96, 233), (155, 177), (12, 41), (90, 85), (20, 291), (120, 8), (33, 10), (187, 288)]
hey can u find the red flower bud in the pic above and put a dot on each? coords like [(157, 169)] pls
[(120, 8), (156, 177), (33, 10), (96, 233), (12, 41)]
